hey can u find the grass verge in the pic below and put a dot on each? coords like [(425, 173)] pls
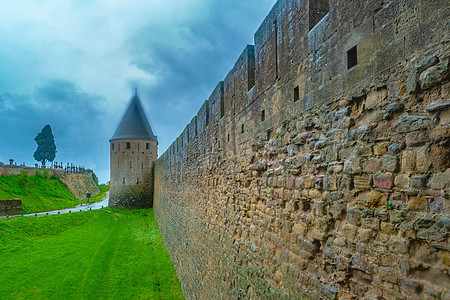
[(108, 254)]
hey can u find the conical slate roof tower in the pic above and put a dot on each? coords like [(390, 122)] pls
[(134, 123), (133, 149)]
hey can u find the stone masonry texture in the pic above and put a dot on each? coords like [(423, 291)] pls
[(10, 207), (319, 167), (132, 173)]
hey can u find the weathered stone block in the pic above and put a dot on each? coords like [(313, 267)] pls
[(411, 123), (398, 245), (440, 181), (383, 180), (380, 148), (430, 235), (438, 206), (396, 216), (402, 181), (407, 230), (395, 148), (361, 182), (414, 139), (417, 204), (439, 157), (408, 161), (354, 216), (390, 163), (424, 221), (443, 223), (10, 207), (433, 75), (419, 181), (371, 223), (372, 165), (410, 287)]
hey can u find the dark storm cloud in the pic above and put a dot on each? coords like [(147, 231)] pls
[(175, 52), (190, 60), (72, 114)]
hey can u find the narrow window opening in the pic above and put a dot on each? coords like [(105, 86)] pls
[(296, 94), (112, 146), (142, 166), (128, 145), (242, 128), (263, 115), (147, 146), (137, 180), (352, 57), (124, 180), (228, 137), (130, 164)]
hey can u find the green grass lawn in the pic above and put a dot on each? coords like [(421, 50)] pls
[(38, 193), (106, 254)]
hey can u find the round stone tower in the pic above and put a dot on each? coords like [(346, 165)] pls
[(133, 149)]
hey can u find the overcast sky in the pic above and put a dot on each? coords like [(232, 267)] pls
[(74, 65)]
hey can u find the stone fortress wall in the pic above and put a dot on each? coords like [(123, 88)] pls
[(320, 164)]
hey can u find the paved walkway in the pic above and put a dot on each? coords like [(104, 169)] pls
[(81, 207)]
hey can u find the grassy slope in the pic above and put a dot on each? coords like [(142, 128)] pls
[(88, 255), (37, 193)]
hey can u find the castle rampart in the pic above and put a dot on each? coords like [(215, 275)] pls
[(320, 165)]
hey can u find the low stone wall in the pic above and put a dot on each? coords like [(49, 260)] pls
[(9, 207), (320, 166), (7, 170)]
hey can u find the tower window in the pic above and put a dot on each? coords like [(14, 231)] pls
[(263, 115), (352, 58), (130, 164), (142, 166), (147, 146), (124, 180), (242, 128), (296, 94), (128, 145), (137, 180), (228, 137), (112, 146)]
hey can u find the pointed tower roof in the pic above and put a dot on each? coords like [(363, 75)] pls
[(134, 123)]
